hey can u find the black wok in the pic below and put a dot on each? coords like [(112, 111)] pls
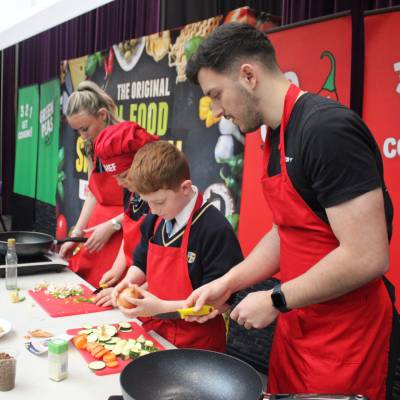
[(189, 374), (32, 243)]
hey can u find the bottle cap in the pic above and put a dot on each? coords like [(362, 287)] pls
[(11, 242), (58, 346)]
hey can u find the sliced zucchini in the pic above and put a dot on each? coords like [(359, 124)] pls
[(111, 330), (86, 332), (124, 325), (97, 365), (103, 338), (92, 337), (110, 347)]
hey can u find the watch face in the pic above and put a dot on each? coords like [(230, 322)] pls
[(278, 300)]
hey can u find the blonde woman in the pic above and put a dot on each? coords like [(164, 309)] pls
[(89, 111)]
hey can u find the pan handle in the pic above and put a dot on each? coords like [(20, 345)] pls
[(71, 239)]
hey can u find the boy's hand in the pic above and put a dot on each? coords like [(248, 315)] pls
[(103, 298), (146, 306), (117, 290)]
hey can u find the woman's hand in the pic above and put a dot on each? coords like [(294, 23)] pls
[(103, 298), (67, 248), (100, 236)]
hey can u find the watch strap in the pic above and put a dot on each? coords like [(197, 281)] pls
[(278, 299)]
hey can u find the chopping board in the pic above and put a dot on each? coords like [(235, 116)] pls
[(137, 330), (65, 307)]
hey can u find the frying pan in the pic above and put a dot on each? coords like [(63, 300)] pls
[(190, 374), (32, 243)]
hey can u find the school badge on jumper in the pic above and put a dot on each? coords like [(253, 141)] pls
[(191, 257)]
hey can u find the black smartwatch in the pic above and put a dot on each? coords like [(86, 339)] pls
[(278, 299)]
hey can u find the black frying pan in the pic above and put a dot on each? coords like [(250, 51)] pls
[(32, 243), (189, 374)]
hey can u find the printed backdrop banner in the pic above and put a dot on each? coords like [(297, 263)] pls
[(381, 112), (49, 126), (316, 60), (146, 77), (26, 141)]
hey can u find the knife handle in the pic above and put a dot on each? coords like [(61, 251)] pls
[(188, 312)]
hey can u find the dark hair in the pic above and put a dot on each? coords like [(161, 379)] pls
[(227, 45)]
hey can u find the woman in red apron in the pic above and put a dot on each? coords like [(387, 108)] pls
[(115, 147), (89, 111)]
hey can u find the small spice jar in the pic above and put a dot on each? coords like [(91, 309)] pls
[(8, 366), (58, 359)]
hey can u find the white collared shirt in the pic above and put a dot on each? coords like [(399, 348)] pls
[(183, 217)]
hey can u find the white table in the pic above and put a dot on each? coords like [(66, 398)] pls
[(32, 380)]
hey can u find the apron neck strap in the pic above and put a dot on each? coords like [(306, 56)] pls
[(288, 104), (290, 100), (185, 239)]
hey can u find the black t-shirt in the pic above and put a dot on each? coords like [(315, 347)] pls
[(331, 156), (135, 205), (213, 247)]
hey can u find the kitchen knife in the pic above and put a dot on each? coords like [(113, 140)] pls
[(185, 312)]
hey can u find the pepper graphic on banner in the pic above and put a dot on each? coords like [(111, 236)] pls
[(26, 141), (49, 126)]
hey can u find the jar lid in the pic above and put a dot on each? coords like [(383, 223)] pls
[(11, 242), (58, 346)]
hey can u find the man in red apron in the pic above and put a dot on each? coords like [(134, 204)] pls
[(116, 147), (323, 181), (200, 247)]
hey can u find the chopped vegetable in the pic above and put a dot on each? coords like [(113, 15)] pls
[(97, 365)]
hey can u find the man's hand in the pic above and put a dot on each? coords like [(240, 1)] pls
[(215, 293), (255, 310)]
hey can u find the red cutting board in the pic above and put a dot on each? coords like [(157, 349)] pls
[(137, 330), (65, 307)]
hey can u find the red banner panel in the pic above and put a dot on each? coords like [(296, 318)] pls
[(381, 111), (317, 58)]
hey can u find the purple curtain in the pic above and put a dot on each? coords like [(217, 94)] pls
[(301, 10), (39, 58)]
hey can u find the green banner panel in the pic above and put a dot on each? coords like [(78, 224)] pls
[(49, 128), (26, 141)]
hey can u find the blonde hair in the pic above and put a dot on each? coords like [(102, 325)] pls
[(89, 98), (158, 165)]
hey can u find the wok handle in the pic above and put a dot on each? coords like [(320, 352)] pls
[(71, 239)]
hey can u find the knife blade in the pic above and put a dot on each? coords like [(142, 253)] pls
[(185, 312)]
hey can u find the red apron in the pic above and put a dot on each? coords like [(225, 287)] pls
[(92, 266), (340, 346), (168, 278), (131, 233)]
